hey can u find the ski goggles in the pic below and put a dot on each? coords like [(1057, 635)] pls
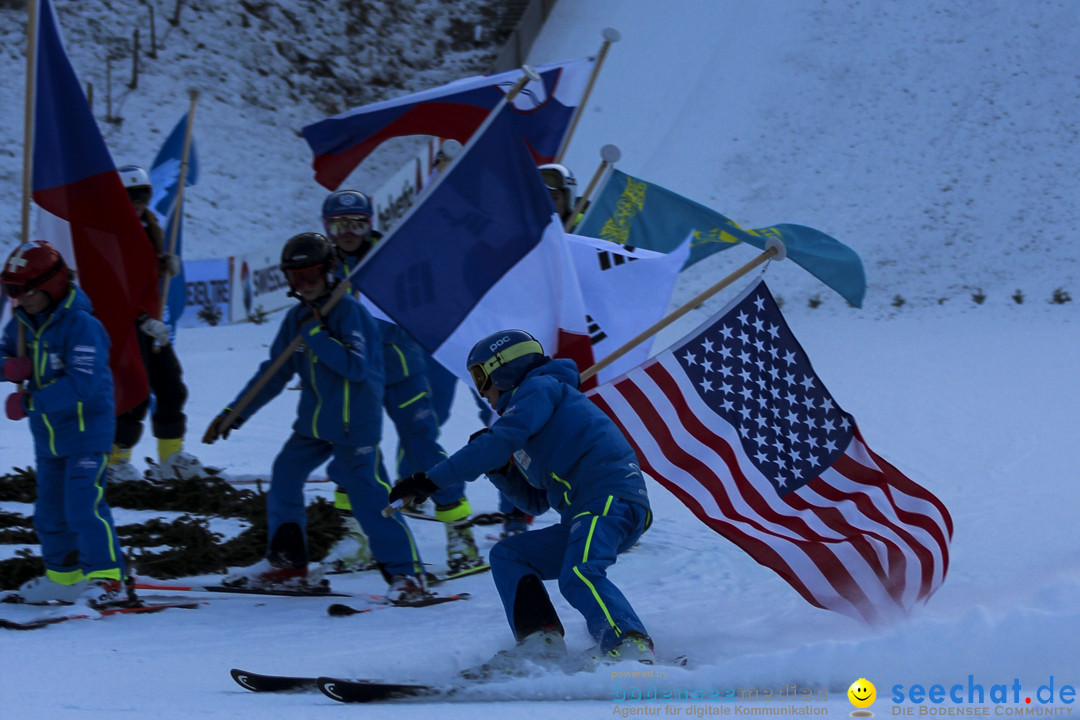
[(305, 277), (16, 290), (480, 377), (481, 371), (349, 225), (139, 195), (554, 179)]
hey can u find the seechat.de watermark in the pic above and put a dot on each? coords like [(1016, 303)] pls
[(977, 697)]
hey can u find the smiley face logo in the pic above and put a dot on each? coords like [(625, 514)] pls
[(862, 694)]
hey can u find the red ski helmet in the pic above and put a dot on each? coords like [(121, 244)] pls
[(36, 265)]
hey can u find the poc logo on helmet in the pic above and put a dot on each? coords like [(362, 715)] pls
[(499, 343)]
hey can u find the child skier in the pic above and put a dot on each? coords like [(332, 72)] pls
[(347, 217), (551, 448), (339, 417), (68, 397)]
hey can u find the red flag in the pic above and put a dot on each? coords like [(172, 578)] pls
[(734, 421), (75, 179)]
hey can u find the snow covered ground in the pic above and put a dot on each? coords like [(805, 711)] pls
[(938, 139)]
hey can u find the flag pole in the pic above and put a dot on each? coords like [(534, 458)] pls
[(345, 284), (178, 205), (609, 155), (773, 249), (610, 35), (28, 144)]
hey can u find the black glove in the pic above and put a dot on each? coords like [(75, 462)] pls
[(417, 486), (217, 428)]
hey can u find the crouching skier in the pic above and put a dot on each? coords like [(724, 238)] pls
[(551, 448), (339, 417)]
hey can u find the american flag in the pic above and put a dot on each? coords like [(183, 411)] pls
[(734, 421)]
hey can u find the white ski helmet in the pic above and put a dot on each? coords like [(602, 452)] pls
[(559, 177), (133, 176)]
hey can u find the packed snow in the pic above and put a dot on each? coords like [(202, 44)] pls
[(938, 139)]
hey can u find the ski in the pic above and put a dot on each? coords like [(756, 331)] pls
[(438, 579), (342, 610), (256, 682), (429, 577), (365, 691), (362, 691), (479, 519), (91, 614), (351, 691), (320, 590)]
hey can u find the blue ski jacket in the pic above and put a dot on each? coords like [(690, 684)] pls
[(567, 455), (340, 369), (70, 408)]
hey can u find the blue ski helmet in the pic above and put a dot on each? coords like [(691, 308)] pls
[(346, 202), (503, 359)]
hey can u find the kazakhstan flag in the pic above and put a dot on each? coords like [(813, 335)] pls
[(634, 212)]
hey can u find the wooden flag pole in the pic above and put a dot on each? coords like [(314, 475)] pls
[(609, 155), (610, 35), (341, 289), (178, 205), (773, 249), (28, 146)]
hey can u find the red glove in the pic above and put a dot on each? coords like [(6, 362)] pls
[(17, 369), (14, 405)]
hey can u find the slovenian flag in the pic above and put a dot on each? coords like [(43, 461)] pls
[(484, 251), (75, 180), (453, 111)]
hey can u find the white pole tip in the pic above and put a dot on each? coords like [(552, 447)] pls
[(781, 251), (610, 154)]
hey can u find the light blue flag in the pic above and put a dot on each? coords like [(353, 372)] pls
[(165, 179), (634, 212)]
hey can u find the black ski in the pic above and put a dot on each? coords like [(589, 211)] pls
[(362, 691), (272, 683), (438, 579), (91, 614), (320, 590), (494, 518), (341, 610)]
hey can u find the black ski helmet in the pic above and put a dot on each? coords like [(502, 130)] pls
[(307, 250)]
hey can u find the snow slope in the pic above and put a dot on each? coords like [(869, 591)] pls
[(937, 139)]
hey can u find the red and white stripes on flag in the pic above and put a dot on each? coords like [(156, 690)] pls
[(734, 421)]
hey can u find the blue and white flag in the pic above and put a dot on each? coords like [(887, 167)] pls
[(165, 179), (483, 252)]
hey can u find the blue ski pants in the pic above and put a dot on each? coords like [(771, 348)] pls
[(360, 472), (71, 515), (578, 555)]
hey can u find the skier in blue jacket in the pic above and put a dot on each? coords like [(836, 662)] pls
[(552, 448), (339, 418), (408, 398), (68, 396)]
